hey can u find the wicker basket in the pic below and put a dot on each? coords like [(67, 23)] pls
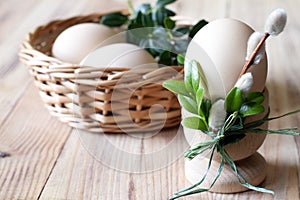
[(109, 100)]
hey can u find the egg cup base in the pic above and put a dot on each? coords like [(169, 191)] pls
[(253, 169)]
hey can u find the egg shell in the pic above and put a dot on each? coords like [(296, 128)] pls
[(118, 37), (75, 42), (220, 48), (122, 55)]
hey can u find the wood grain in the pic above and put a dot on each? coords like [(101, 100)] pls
[(32, 143), (41, 158), (105, 182)]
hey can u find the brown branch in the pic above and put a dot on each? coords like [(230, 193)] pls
[(249, 63)]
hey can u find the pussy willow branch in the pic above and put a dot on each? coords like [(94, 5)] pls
[(253, 55)]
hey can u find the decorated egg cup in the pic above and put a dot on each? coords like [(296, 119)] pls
[(225, 108), (218, 48)]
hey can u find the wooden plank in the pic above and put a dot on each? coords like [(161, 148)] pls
[(104, 173), (32, 166), (11, 16), (78, 175), (11, 89), (40, 13), (31, 143)]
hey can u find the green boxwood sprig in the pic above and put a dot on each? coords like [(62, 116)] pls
[(152, 28), (193, 98)]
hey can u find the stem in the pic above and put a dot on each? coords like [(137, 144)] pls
[(286, 114), (253, 55), (130, 7), (230, 121)]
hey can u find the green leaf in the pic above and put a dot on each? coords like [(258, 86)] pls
[(160, 36), (179, 32), (165, 58), (180, 46), (149, 37), (251, 108), (256, 97), (169, 13), (136, 32), (162, 3), (114, 19), (199, 98), (138, 19), (188, 103), (192, 76), (130, 7), (188, 76), (197, 27), (176, 87), (153, 52), (194, 123), (147, 20), (143, 16), (205, 108), (165, 55), (169, 23), (159, 16), (196, 75), (234, 100), (231, 139), (159, 41), (143, 8), (180, 59)]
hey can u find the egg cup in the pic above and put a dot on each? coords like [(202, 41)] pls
[(225, 106), (249, 162)]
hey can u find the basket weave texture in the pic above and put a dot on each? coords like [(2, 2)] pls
[(111, 100)]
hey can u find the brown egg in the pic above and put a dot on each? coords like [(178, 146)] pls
[(220, 48)]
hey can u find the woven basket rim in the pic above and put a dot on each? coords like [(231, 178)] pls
[(27, 42), (74, 80)]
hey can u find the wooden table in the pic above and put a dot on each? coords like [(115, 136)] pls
[(40, 157)]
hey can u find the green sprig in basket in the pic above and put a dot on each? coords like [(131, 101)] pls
[(83, 96)]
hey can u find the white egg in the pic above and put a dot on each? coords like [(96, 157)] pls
[(118, 37), (220, 48), (74, 43), (121, 55)]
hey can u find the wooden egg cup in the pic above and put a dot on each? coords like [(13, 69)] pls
[(249, 162)]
